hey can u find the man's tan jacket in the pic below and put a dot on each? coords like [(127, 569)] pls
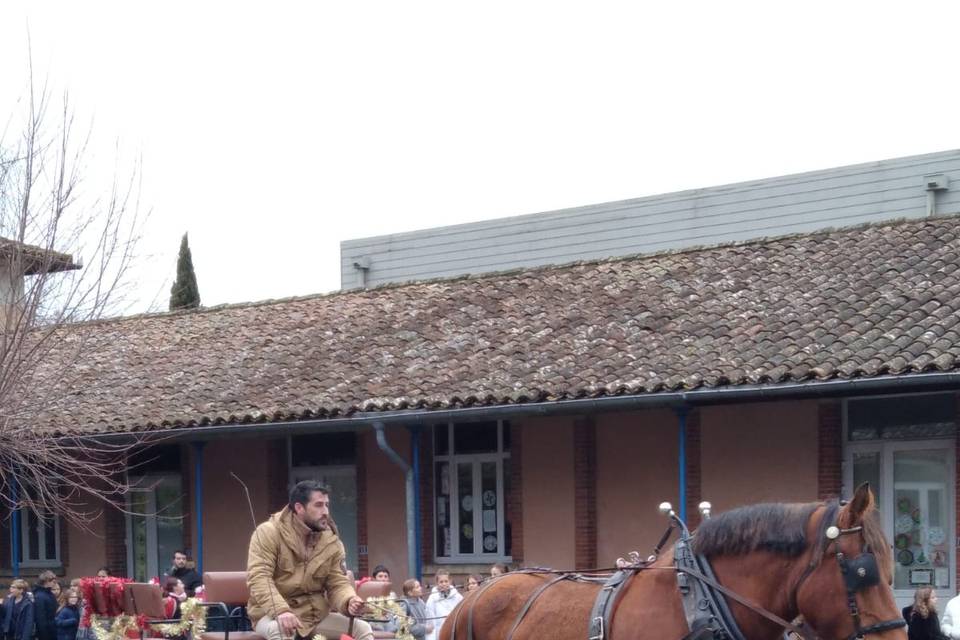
[(284, 574)]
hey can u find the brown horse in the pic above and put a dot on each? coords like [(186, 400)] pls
[(788, 559)]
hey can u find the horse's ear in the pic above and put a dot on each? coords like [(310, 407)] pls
[(860, 505)]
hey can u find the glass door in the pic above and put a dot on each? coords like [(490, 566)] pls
[(913, 482), (154, 525), (342, 480)]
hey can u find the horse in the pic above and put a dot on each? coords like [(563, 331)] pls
[(828, 562)]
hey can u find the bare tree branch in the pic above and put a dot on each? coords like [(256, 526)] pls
[(49, 303)]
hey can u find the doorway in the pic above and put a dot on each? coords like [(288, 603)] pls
[(154, 524)]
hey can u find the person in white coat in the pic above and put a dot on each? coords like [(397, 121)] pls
[(950, 622), (443, 599)]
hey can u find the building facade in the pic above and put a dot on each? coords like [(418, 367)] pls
[(540, 415)]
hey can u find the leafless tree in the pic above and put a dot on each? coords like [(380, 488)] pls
[(66, 248)]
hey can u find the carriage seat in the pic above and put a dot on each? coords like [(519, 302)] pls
[(371, 589), (227, 590), (143, 599)]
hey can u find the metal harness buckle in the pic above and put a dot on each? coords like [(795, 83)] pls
[(598, 621)]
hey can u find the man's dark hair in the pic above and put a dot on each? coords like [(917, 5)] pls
[(380, 569), (180, 552), (301, 492)]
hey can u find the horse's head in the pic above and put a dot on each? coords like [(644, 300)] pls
[(845, 591)]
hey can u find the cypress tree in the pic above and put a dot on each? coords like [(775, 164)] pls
[(184, 294)]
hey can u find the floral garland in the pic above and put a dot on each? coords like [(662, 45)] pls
[(193, 618), (386, 608), (123, 626)]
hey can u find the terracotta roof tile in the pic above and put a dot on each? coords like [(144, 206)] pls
[(869, 301)]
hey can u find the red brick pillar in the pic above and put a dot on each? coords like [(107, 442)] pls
[(585, 493), (115, 541), (694, 490), (278, 477), (956, 481), (363, 559), (514, 505), (427, 502), (829, 450), (187, 463)]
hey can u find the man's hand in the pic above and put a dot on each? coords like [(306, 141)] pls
[(355, 606), (289, 623)]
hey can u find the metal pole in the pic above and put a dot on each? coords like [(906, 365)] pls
[(198, 500)]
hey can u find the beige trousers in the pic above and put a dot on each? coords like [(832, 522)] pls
[(330, 628)]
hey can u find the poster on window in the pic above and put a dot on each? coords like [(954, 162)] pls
[(445, 479), (489, 520)]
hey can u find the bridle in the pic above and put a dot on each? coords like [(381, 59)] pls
[(859, 573)]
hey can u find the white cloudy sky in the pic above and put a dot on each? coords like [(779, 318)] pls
[(271, 131)]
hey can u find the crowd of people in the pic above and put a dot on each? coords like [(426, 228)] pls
[(428, 615), (49, 611)]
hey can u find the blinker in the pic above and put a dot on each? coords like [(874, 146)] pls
[(860, 573)]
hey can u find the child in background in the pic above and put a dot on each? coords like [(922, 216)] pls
[(473, 582), (441, 602), (68, 616), (414, 607)]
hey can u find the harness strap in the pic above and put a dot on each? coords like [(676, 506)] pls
[(602, 613), (803, 632), (880, 627), (456, 618), (526, 607)]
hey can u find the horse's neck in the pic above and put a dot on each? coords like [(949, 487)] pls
[(763, 578)]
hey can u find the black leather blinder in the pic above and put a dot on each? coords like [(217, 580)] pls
[(861, 572)]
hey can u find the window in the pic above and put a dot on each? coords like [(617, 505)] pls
[(904, 447), (39, 539), (472, 475)]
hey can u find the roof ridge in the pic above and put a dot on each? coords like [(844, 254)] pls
[(531, 269)]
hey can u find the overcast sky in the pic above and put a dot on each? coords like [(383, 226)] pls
[(272, 131)]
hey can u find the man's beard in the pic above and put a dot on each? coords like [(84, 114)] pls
[(317, 525)]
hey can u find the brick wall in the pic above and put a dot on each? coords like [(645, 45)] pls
[(694, 490), (278, 476), (426, 495), (585, 493), (5, 550), (956, 486), (363, 559), (115, 541), (187, 461), (514, 504), (829, 450)]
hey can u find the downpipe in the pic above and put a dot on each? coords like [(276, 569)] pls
[(412, 555)]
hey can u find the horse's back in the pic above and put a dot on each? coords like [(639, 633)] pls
[(511, 604)]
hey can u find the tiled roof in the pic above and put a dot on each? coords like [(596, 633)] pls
[(861, 302)]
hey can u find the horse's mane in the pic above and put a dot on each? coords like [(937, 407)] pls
[(782, 529), (778, 528)]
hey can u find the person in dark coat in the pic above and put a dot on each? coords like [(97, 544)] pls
[(921, 616), (190, 578), (45, 606), (68, 617), (18, 612)]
